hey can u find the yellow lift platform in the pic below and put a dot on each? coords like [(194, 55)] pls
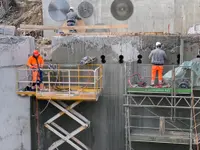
[(65, 83)]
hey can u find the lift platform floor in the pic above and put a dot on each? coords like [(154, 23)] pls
[(86, 95)]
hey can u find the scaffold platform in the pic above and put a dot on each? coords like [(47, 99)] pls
[(161, 114), (77, 83)]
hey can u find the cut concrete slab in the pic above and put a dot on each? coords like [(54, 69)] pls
[(15, 111), (7, 30), (15, 50)]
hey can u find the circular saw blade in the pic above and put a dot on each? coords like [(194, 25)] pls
[(58, 10), (85, 9), (122, 9)]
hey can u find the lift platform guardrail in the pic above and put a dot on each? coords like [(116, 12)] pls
[(81, 83)]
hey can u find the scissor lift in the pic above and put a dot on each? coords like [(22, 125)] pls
[(65, 83)]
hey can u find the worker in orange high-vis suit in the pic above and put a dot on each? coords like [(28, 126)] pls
[(36, 62), (158, 57)]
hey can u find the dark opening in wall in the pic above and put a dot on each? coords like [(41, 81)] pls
[(178, 59), (103, 59), (121, 59), (139, 61)]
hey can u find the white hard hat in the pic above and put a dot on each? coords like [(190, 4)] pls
[(71, 8), (158, 43)]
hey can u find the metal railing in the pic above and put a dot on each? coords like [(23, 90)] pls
[(173, 76), (66, 79)]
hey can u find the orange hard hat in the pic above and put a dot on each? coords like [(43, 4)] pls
[(36, 53)]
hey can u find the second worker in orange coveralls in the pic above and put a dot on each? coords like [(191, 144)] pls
[(35, 62), (158, 57)]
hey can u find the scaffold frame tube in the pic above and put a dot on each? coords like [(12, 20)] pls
[(171, 104)]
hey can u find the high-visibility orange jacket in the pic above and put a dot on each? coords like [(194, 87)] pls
[(32, 62)]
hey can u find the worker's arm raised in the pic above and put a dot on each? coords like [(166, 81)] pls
[(150, 55)]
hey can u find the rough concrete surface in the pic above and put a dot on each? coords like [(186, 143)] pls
[(14, 110), (129, 46), (107, 115)]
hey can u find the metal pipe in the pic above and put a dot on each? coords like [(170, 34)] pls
[(129, 131), (181, 51), (126, 113), (126, 127), (157, 117), (191, 129), (96, 69), (59, 82), (49, 81), (62, 70), (174, 93), (69, 82), (155, 106), (75, 76), (125, 83), (191, 111), (167, 129), (159, 96), (149, 135)]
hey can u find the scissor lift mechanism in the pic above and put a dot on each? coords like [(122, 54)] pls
[(74, 81), (59, 131)]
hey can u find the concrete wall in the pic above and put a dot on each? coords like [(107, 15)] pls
[(149, 15), (14, 110), (186, 14), (107, 115)]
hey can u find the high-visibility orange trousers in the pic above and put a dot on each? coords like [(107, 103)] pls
[(35, 76), (154, 70)]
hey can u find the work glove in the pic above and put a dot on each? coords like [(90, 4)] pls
[(32, 67)]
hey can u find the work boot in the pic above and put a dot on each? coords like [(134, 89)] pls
[(160, 82), (41, 86), (152, 83), (33, 89)]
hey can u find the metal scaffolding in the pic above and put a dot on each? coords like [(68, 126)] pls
[(64, 83), (161, 115)]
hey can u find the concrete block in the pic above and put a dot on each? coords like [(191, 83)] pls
[(15, 111), (7, 30), (14, 50)]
